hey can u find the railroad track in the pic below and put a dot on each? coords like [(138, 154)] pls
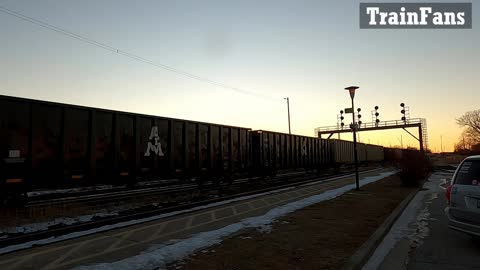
[(156, 190), (93, 226), (115, 195), (121, 193)]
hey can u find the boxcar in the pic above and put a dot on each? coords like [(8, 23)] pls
[(393, 155), (273, 152), (48, 145), (374, 152), (343, 152)]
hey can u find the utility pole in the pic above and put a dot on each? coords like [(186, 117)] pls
[(288, 109), (441, 143)]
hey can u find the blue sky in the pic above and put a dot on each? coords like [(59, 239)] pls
[(306, 50)]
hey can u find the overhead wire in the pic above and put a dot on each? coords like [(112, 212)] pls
[(129, 55)]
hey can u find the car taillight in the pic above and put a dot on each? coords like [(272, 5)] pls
[(448, 192)]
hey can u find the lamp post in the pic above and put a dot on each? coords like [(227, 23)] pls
[(288, 109), (351, 90)]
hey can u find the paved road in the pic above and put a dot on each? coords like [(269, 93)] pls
[(444, 248), (421, 239)]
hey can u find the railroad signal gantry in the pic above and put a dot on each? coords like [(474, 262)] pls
[(404, 123)]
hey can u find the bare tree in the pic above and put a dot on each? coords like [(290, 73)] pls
[(471, 134), (465, 144)]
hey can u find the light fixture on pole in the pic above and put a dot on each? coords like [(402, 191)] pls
[(351, 90), (288, 109)]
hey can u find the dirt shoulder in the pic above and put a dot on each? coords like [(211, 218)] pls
[(321, 236)]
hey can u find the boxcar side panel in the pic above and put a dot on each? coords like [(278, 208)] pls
[(76, 144), (217, 148), (104, 148), (243, 145), (191, 161), (204, 156), (46, 144), (226, 149), (235, 150), (178, 143), (148, 146), (125, 148), (14, 142)]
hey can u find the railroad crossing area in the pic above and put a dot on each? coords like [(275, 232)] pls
[(123, 243)]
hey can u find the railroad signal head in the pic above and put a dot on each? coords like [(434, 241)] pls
[(341, 118), (359, 122), (342, 124), (359, 116), (341, 111), (376, 114), (403, 111), (359, 110)]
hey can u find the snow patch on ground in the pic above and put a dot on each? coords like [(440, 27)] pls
[(412, 223), (266, 228), (160, 257)]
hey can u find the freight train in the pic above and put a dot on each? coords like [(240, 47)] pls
[(51, 145)]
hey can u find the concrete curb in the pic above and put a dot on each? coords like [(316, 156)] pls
[(360, 257)]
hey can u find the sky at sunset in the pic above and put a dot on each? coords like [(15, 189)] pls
[(308, 51)]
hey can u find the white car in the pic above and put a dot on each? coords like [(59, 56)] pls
[(463, 197)]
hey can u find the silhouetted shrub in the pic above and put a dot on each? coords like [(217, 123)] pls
[(415, 167)]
